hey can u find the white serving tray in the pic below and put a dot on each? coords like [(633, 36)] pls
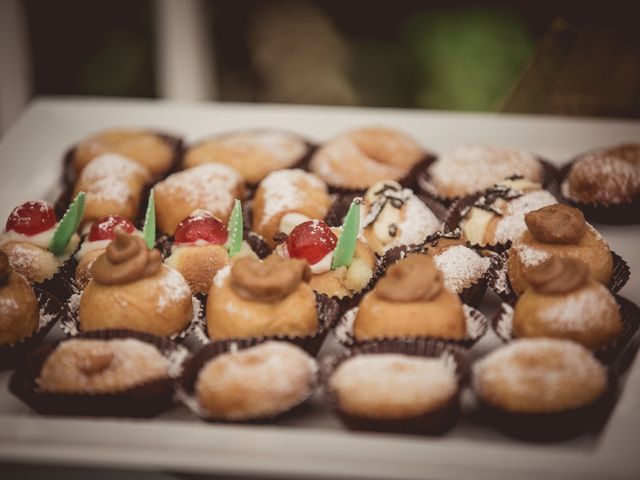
[(314, 444)]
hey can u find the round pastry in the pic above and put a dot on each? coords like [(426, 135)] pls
[(131, 288), (199, 250), (88, 366), (212, 187), (252, 153), (606, 176), (539, 375), (472, 168), (562, 231), (393, 386), (564, 302), (114, 185), (461, 265), (497, 216), (285, 199), (315, 242), (28, 233), (253, 298), (360, 158), (394, 216), (410, 300), (94, 244), (259, 382), (149, 149), (19, 311)]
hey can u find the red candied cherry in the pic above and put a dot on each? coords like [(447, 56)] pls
[(104, 229), (312, 241), (32, 218), (201, 227)]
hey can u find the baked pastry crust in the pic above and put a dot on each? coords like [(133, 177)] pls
[(19, 310), (35, 263), (198, 264)]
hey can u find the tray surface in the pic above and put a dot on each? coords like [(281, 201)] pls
[(315, 443)]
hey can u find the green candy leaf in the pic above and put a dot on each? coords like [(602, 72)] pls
[(235, 228), (68, 225), (149, 229), (343, 254)]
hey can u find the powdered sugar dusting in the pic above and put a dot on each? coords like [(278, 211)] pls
[(419, 222), (530, 256), (344, 330), (512, 225), (284, 147), (461, 266), (106, 178), (172, 288)]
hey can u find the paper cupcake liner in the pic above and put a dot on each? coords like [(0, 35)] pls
[(477, 326), (624, 213), (70, 326), (327, 311), (554, 426), (617, 352), (185, 384), (499, 282), (145, 400), (434, 422), (62, 285), (51, 310)]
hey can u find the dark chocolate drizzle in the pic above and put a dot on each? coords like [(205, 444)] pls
[(489, 197), (280, 237), (386, 194), (432, 240)]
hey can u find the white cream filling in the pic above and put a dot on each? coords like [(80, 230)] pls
[(475, 226), (323, 266), (42, 239), (291, 220)]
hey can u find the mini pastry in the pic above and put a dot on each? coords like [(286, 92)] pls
[(28, 240), (151, 150), (605, 177), (95, 243), (317, 243), (539, 376), (88, 366), (564, 302), (131, 288), (394, 216), (114, 185), (410, 300), (253, 298), (252, 153), (498, 215), (562, 231), (200, 250), (393, 386), (287, 198), (256, 383), (472, 168), (19, 311), (358, 159), (461, 265), (211, 187)]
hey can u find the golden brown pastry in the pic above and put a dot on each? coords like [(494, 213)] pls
[(285, 199), (562, 231), (146, 148), (472, 168), (252, 153), (212, 187), (114, 185), (411, 301), (539, 375), (252, 298), (19, 311), (259, 382), (101, 366), (360, 158), (132, 289), (564, 302)]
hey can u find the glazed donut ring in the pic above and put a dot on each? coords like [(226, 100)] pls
[(360, 158)]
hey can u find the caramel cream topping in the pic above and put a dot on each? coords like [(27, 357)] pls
[(413, 279), (5, 269), (558, 275), (269, 281), (126, 260), (556, 224)]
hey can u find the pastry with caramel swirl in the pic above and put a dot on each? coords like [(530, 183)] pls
[(411, 300)]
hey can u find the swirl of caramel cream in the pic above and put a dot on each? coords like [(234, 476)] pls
[(413, 279), (5, 269), (556, 224), (126, 260), (558, 275), (95, 362), (270, 280)]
